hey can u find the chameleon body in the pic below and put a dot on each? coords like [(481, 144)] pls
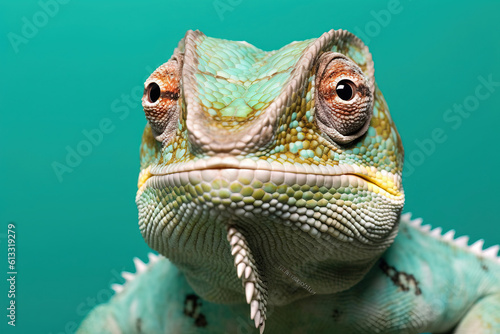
[(272, 183)]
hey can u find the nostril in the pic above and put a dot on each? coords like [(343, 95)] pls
[(153, 92)]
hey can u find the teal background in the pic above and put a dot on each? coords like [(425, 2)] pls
[(74, 235)]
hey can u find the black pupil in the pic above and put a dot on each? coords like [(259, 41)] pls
[(154, 92), (344, 90)]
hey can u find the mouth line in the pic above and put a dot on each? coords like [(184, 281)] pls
[(155, 172)]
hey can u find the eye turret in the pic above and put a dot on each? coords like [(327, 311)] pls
[(160, 100), (344, 100)]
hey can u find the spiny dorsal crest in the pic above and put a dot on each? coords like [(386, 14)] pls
[(449, 237)]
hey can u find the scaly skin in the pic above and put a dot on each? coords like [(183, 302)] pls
[(281, 171)]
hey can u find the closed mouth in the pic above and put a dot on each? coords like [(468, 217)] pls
[(275, 171)]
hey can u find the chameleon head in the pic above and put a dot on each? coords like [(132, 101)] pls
[(289, 155)]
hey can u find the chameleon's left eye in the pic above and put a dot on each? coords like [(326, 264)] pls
[(344, 99), (346, 89)]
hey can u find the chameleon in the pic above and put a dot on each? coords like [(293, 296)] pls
[(271, 186)]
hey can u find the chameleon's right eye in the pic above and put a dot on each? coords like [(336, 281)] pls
[(153, 92), (160, 100)]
